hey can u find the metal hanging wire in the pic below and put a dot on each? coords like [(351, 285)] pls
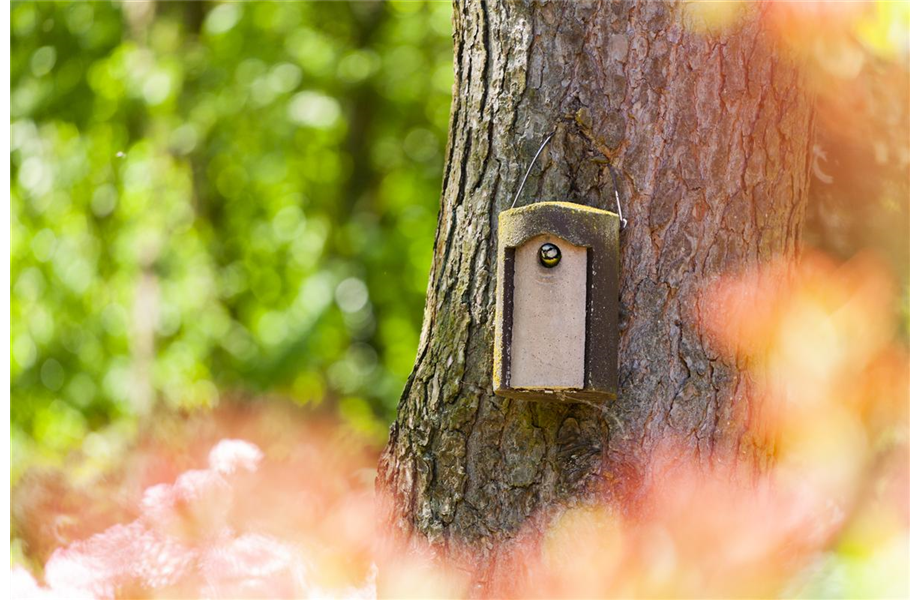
[(616, 192), (530, 168)]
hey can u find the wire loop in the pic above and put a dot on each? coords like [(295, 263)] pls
[(532, 162), (616, 192)]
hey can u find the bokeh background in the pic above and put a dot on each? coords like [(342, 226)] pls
[(223, 217), (218, 199)]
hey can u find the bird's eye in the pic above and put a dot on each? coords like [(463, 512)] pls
[(550, 255)]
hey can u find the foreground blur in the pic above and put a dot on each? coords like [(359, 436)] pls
[(290, 512)]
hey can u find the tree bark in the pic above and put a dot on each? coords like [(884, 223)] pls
[(709, 132)]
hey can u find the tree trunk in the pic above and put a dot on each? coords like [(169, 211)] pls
[(709, 132)]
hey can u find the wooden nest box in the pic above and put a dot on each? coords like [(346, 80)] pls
[(557, 303)]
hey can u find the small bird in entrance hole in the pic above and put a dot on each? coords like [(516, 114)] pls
[(550, 255)]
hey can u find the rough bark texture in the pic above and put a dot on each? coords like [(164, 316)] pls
[(709, 133)]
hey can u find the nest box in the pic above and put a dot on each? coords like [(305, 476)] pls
[(556, 308)]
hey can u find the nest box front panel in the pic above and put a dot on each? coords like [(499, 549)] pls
[(556, 310), (548, 329)]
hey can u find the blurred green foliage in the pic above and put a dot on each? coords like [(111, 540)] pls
[(217, 198)]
